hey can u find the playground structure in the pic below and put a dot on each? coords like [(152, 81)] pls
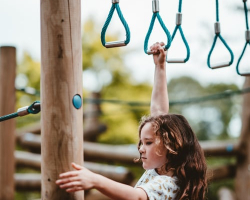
[(29, 138), (62, 128)]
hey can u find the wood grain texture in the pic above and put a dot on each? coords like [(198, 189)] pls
[(7, 128), (61, 79)]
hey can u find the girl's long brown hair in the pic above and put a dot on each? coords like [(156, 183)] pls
[(185, 156)]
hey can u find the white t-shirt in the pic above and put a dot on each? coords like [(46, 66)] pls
[(158, 187)]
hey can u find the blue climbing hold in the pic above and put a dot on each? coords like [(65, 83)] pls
[(77, 101)]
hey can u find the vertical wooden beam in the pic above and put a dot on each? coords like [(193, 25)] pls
[(242, 182), (7, 128), (61, 80)]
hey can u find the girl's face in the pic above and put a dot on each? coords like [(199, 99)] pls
[(153, 153)]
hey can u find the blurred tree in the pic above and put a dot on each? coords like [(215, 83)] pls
[(209, 119), (28, 75), (31, 69)]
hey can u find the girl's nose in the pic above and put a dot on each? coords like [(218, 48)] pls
[(141, 149)]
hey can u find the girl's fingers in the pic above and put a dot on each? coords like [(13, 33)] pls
[(76, 166), (161, 50), (74, 189), (66, 180), (70, 185), (152, 48), (162, 44), (68, 174), (157, 46)]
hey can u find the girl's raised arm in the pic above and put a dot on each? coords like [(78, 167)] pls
[(159, 98)]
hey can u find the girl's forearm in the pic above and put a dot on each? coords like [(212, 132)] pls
[(159, 98), (116, 190)]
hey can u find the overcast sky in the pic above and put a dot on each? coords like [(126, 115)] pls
[(20, 27)]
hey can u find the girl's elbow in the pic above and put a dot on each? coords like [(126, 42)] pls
[(141, 194)]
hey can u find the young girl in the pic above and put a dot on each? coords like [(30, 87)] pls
[(169, 150)]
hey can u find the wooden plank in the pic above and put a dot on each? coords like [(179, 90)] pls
[(127, 153), (117, 173), (27, 182), (221, 172), (33, 128), (90, 132), (92, 151), (61, 81), (7, 128), (220, 148)]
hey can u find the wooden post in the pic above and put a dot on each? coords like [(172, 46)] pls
[(7, 128), (61, 84), (242, 182)]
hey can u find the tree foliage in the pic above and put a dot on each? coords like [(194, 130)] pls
[(209, 119)]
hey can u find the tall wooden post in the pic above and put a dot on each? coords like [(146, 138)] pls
[(242, 183), (7, 128), (61, 87)]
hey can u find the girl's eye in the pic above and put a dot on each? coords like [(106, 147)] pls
[(148, 143)]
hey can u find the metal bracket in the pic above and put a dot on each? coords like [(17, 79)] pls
[(247, 34), (23, 111), (178, 18), (155, 6), (217, 28)]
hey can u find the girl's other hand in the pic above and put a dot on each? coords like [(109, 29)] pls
[(72, 181)]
